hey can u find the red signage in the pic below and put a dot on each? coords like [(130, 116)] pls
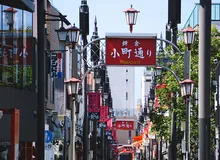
[(94, 101), (109, 123), (130, 50), (124, 125), (103, 114)]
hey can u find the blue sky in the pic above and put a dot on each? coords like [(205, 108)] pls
[(152, 18)]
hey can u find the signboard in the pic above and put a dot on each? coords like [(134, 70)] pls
[(59, 65), (103, 114), (93, 116), (94, 102), (102, 124), (48, 146), (124, 125), (56, 65), (53, 65), (131, 49), (48, 136)]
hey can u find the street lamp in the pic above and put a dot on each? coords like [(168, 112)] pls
[(186, 91), (188, 35), (10, 16), (62, 34), (72, 88), (158, 71), (131, 17), (97, 76), (150, 103), (73, 34), (187, 87)]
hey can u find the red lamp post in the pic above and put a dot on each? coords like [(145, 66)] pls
[(131, 17), (72, 88), (187, 87)]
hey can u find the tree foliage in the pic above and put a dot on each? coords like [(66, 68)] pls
[(162, 124)]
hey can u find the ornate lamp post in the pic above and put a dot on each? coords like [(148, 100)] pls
[(186, 91), (97, 76), (62, 34), (10, 16), (131, 17), (188, 35), (72, 88), (158, 70), (187, 87), (72, 34)]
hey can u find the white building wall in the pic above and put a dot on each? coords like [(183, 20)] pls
[(122, 81), (145, 86)]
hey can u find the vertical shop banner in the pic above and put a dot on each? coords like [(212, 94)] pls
[(94, 102), (131, 49), (59, 65), (53, 65), (109, 124), (124, 125), (103, 114)]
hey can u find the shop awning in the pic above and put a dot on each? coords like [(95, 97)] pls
[(137, 138), (27, 5)]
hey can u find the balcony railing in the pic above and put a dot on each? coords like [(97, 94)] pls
[(193, 19)]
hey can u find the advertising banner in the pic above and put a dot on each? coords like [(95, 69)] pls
[(124, 125), (94, 102), (103, 114), (130, 49)]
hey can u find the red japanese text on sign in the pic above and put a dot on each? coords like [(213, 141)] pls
[(131, 50), (103, 114), (125, 125), (94, 101)]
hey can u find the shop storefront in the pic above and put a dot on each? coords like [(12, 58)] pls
[(18, 66)]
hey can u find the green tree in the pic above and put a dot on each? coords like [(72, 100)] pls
[(162, 124)]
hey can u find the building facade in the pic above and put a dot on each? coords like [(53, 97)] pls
[(122, 81), (18, 87)]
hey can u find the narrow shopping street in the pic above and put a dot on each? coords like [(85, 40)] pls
[(109, 80)]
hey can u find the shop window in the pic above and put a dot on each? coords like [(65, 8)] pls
[(16, 49)]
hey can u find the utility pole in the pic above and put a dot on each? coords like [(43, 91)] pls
[(84, 26), (204, 79), (41, 78)]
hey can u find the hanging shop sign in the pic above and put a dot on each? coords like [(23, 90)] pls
[(56, 65), (124, 125), (59, 65), (102, 124), (53, 65), (131, 49), (94, 102), (103, 114), (93, 116)]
